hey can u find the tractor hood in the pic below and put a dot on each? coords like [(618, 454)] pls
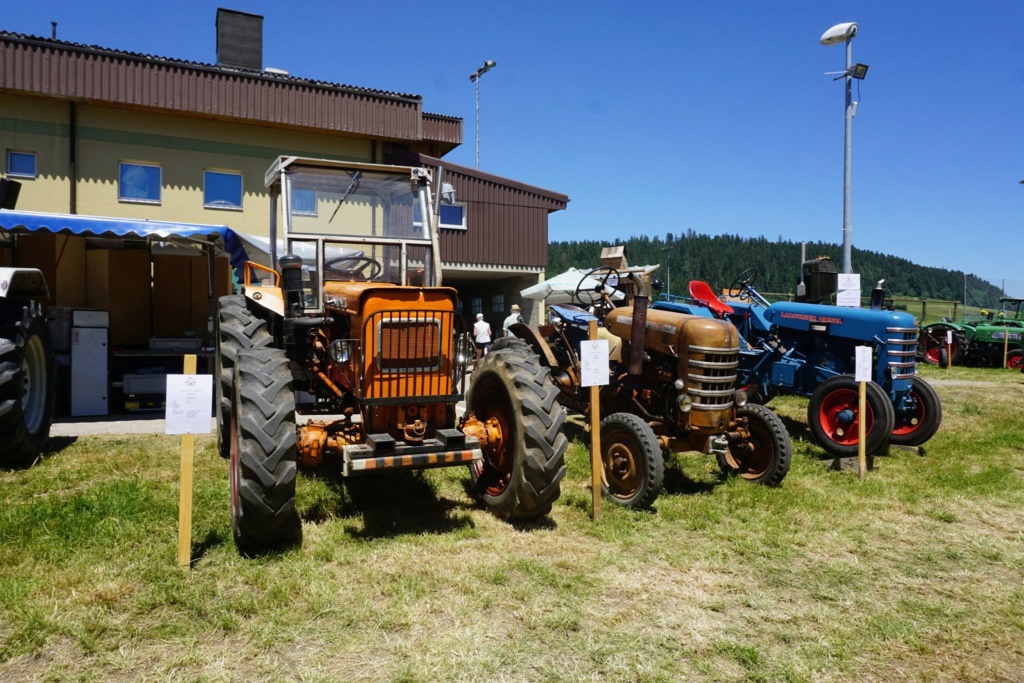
[(854, 323)]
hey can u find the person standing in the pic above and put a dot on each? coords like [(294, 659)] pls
[(481, 335), (514, 317)]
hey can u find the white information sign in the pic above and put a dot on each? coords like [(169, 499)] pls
[(594, 362), (863, 365), (949, 337), (848, 293), (189, 404)]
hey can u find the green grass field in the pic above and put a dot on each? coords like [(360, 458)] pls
[(916, 573)]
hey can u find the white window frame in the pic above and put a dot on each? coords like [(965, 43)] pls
[(452, 226), (140, 200), (226, 206), (16, 174)]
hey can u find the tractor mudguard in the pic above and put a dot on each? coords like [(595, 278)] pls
[(539, 345)]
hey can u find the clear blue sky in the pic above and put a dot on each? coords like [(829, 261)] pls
[(662, 116)]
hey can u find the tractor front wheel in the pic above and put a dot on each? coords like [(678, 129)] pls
[(519, 475), (1015, 360), (765, 457), (632, 464), (919, 423), (834, 419), (27, 382), (237, 329), (263, 453)]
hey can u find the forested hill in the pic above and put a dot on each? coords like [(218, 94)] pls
[(718, 260)]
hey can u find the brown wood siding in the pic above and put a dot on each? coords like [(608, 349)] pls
[(35, 66), (505, 226), (445, 129)]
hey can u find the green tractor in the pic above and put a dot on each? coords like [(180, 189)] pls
[(977, 340)]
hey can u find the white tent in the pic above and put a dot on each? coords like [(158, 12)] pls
[(560, 288)]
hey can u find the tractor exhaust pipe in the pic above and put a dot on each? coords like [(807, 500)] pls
[(638, 328)]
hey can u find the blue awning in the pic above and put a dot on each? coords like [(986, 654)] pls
[(195, 233)]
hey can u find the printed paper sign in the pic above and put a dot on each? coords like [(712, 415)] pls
[(949, 337), (849, 290), (863, 368), (594, 362), (189, 404)]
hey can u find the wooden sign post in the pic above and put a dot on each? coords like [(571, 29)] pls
[(185, 499), (594, 374), (862, 374)]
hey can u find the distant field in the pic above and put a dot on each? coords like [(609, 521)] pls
[(916, 573)]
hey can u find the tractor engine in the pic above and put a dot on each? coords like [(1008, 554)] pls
[(689, 370)]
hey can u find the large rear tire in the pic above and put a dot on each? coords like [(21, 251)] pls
[(918, 424), (832, 416), (519, 477), (27, 382), (263, 453), (237, 329), (766, 457), (632, 463), (934, 349)]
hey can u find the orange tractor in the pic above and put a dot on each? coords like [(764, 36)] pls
[(345, 351)]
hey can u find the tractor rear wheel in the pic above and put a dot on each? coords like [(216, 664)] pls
[(519, 476), (632, 463), (765, 458), (917, 425), (832, 415), (934, 349), (27, 382), (237, 329), (263, 453)]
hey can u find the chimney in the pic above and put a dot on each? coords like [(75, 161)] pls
[(239, 39)]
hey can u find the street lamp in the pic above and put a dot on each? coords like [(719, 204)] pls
[(475, 78), (844, 33)]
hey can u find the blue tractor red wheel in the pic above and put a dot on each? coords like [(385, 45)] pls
[(833, 416), (919, 421)]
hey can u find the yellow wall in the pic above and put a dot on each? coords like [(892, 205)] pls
[(182, 147)]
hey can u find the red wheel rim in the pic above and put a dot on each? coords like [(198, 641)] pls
[(832, 414), (913, 422), (1015, 362)]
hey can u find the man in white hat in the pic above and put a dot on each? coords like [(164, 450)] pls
[(481, 335), (513, 318)]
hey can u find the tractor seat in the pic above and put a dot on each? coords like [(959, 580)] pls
[(701, 291)]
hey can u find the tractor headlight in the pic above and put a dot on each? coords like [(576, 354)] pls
[(685, 402), (679, 385), (740, 398), (341, 351)]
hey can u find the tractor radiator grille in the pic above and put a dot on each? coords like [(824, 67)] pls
[(711, 377), (414, 356), (901, 347)]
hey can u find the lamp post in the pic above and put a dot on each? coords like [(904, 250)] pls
[(844, 33), (475, 78)]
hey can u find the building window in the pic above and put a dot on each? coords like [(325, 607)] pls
[(303, 202), (476, 305), (138, 183), (453, 217), (498, 303), (21, 164), (222, 190)]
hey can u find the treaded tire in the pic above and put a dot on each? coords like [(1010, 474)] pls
[(27, 382), (632, 462), (263, 453), (237, 329), (1015, 359), (836, 431), (519, 480), (916, 427), (772, 451), (933, 345)]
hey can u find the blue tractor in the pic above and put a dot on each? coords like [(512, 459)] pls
[(808, 349)]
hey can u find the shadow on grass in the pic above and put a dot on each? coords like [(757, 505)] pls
[(53, 447), (391, 504)]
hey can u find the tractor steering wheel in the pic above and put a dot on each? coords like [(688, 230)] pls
[(740, 285), (354, 266), (596, 296)]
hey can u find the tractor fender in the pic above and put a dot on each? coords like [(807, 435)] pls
[(270, 298), (22, 282), (539, 345)]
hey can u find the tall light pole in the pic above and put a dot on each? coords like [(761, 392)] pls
[(475, 78), (844, 33)]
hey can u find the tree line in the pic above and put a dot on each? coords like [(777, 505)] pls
[(718, 260)]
